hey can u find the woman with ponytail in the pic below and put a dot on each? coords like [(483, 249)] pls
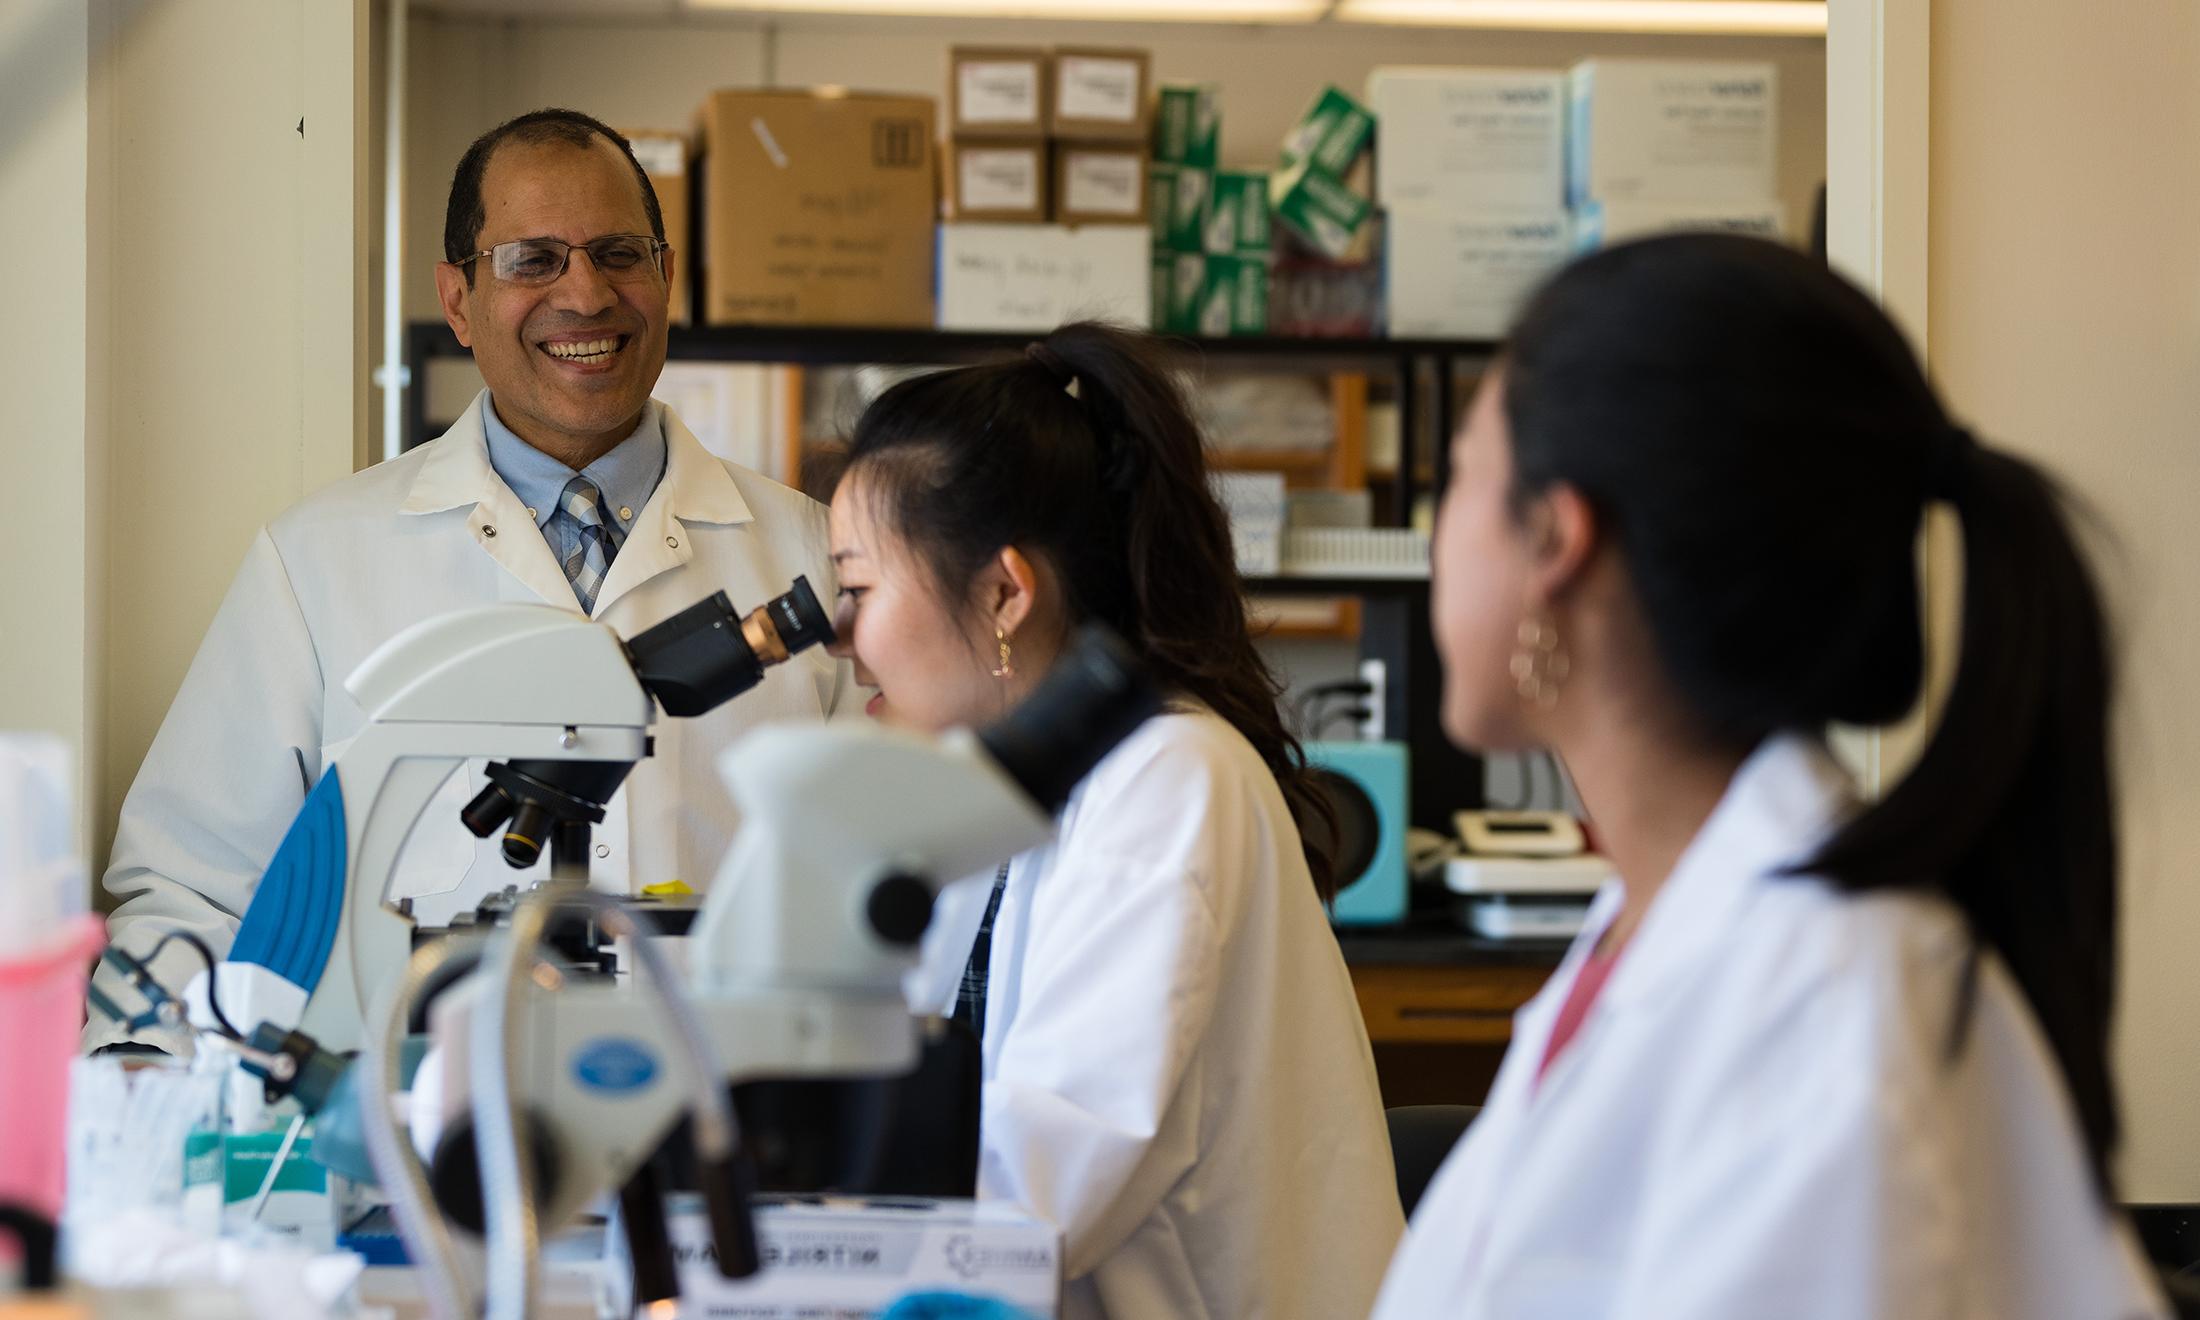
[(1812, 1058), (1175, 1068)]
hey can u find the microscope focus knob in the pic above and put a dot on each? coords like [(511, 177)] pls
[(899, 909)]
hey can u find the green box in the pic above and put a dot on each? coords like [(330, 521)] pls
[(1234, 297), (1187, 125), (1318, 207), (1177, 206), (1180, 280), (1237, 217), (1332, 134)]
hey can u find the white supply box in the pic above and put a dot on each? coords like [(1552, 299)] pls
[(1602, 223), (1649, 128), (1491, 140), (851, 1259), (1465, 275), (1256, 503), (1035, 277)]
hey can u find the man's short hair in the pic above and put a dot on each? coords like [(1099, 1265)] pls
[(465, 214)]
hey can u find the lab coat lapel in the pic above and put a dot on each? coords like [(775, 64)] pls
[(1779, 807), (457, 475), (696, 488)]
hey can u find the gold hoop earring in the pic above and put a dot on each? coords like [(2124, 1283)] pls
[(1006, 670), (1540, 663)]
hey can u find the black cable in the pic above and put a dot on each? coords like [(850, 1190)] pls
[(1357, 714), (213, 974), (1313, 722)]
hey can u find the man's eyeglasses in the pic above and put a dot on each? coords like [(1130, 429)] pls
[(619, 258)]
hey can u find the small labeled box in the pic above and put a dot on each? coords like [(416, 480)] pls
[(1181, 287), (997, 92), (1101, 95), (997, 181), (1187, 125), (1099, 185), (1233, 298), (1652, 129), (1237, 217), (1331, 135), (1319, 207), (1178, 206)]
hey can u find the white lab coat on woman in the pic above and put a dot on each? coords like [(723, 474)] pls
[(1757, 1118), (263, 710), (1176, 1072)]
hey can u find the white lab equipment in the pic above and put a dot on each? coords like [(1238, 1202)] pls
[(797, 965)]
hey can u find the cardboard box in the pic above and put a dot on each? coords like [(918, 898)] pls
[(1486, 139), (1331, 134), (1099, 185), (1318, 207), (1708, 131), (1101, 95), (1180, 279), (1187, 125), (997, 92), (1035, 277), (851, 1259), (997, 181), (664, 158), (1237, 217), (1233, 297), (817, 209), (1180, 197), (1602, 223), (1457, 275)]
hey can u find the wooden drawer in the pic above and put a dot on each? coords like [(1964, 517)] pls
[(1443, 1005)]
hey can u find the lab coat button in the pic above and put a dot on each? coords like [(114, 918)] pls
[(673, 541), (488, 530), (603, 850)]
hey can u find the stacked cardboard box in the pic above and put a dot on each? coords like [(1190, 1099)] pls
[(1655, 146), (1047, 178), (1316, 191), (1212, 245), (663, 156), (816, 208)]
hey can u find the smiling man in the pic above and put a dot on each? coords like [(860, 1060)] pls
[(563, 484)]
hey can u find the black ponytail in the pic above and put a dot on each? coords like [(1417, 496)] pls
[(1084, 451), (1764, 444)]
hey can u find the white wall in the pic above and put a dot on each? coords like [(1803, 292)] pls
[(2065, 322), (468, 74), (182, 353), (48, 619)]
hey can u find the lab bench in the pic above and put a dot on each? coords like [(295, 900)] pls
[(1438, 1003)]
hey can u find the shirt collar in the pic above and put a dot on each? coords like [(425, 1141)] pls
[(626, 475), (454, 473)]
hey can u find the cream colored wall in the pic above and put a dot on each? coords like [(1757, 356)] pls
[(467, 74), (2065, 295), (48, 619), (181, 354)]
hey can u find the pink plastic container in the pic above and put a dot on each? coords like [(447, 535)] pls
[(41, 1018)]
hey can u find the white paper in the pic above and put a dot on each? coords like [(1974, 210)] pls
[(998, 92), (661, 155), (1035, 277), (1104, 183), (1100, 90), (997, 179)]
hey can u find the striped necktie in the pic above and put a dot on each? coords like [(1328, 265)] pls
[(593, 540)]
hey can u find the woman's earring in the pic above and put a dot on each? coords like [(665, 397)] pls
[(1540, 663), (1006, 670)]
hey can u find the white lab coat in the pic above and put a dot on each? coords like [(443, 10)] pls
[(1176, 1069), (1756, 1119), (263, 710)]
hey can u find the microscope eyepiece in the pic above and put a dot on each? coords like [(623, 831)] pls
[(708, 654)]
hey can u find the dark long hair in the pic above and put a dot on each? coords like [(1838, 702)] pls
[(1763, 443), (1110, 485)]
